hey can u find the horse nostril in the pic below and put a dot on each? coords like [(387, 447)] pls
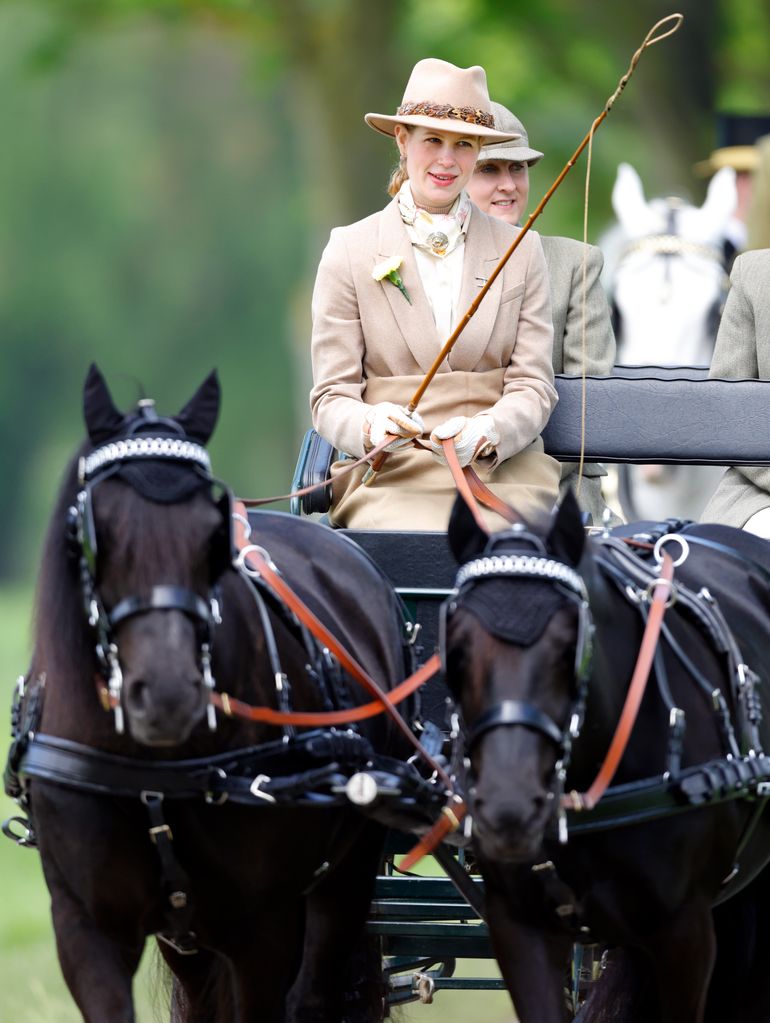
[(136, 697), (538, 804)]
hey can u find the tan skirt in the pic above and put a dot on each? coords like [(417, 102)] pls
[(413, 491)]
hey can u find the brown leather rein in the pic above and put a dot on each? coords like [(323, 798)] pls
[(662, 598), (384, 702), (475, 493), (255, 558)]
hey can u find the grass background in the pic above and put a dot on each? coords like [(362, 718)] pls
[(31, 987)]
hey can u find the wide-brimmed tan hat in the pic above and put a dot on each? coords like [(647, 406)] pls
[(518, 150), (445, 97), (736, 148)]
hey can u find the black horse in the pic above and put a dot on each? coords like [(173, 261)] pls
[(226, 838), (683, 825)]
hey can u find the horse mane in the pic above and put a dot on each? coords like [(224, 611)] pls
[(59, 631)]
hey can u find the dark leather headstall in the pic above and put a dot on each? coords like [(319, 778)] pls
[(536, 565), (95, 468)]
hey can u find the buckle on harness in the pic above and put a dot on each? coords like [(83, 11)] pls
[(256, 788), (210, 797), (160, 829)]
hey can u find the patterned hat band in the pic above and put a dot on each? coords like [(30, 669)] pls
[(469, 115)]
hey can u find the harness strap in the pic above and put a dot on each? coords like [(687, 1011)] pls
[(259, 563), (515, 712), (709, 784), (708, 615), (587, 800), (175, 879), (162, 598), (304, 719)]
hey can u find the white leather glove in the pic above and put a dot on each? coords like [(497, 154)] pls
[(385, 418), (473, 438)]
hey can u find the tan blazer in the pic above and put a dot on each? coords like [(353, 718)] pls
[(742, 351), (367, 336), (564, 258)]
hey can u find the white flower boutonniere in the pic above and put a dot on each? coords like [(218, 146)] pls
[(388, 270)]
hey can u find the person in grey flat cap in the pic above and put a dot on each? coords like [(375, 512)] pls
[(389, 292), (500, 187)]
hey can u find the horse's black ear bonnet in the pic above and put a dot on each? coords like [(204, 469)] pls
[(162, 480), (515, 614), (172, 468)]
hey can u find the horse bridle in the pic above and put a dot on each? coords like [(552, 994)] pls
[(670, 243), (102, 463), (536, 566)]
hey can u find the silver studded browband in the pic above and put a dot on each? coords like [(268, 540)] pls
[(143, 447), (672, 245), (524, 565)]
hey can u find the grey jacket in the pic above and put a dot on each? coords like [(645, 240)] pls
[(743, 352), (564, 258)]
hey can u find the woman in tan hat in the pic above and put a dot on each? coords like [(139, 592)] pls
[(500, 186), (389, 291)]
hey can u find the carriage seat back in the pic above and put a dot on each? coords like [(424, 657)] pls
[(639, 415)]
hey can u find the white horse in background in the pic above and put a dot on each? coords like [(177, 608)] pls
[(667, 282)]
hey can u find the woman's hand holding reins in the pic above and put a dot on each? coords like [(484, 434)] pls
[(387, 418), (473, 438)]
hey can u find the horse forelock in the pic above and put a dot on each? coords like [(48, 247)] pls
[(152, 542)]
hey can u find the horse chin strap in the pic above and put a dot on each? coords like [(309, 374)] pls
[(96, 467)]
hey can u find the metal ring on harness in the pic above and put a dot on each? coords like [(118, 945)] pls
[(657, 550), (240, 561), (237, 517), (210, 797), (648, 593)]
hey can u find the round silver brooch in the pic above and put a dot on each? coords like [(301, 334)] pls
[(439, 242)]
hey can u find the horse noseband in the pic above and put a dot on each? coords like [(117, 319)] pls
[(515, 712)]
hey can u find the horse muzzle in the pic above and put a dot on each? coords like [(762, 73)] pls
[(164, 696), (509, 830), (160, 715)]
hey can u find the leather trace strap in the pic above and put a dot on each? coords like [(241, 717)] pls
[(663, 587)]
